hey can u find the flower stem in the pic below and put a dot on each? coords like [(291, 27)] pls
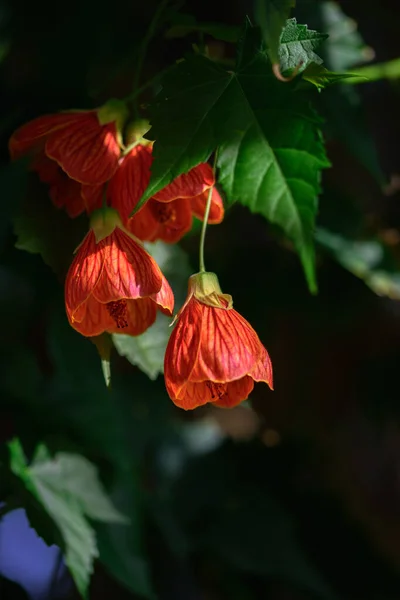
[(146, 40), (205, 220)]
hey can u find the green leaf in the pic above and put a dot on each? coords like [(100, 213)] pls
[(69, 490), (271, 16), (147, 351), (297, 46), (367, 259), (321, 77), (270, 146)]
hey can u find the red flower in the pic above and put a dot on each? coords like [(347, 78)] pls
[(213, 354), (85, 144), (168, 215), (113, 284)]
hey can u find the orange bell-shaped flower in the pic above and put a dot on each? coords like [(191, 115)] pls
[(85, 144), (113, 284), (213, 354), (169, 214)]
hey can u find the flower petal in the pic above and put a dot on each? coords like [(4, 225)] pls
[(92, 318), (141, 315), (165, 298), (129, 270), (85, 150), (263, 369), (130, 180), (183, 347), (236, 392), (66, 193), (229, 347), (31, 134), (47, 169), (174, 219), (83, 274), (143, 224), (198, 204), (193, 395), (188, 185), (92, 196)]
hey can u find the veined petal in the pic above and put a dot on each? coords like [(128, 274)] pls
[(188, 185), (263, 369), (30, 134), (85, 150), (130, 317), (130, 180), (236, 392), (198, 204), (192, 395), (164, 298), (229, 346), (92, 318), (143, 224), (141, 315), (183, 347), (174, 219), (129, 270), (92, 196), (66, 193), (83, 274)]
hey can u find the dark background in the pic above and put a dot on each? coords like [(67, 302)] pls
[(298, 500)]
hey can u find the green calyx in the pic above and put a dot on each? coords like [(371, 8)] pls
[(204, 286), (103, 222), (135, 132), (113, 110)]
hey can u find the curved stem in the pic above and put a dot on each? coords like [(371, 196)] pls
[(205, 220), (146, 40)]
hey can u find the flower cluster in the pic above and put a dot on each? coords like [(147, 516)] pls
[(113, 284)]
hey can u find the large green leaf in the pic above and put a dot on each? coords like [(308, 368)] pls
[(147, 351), (270, 147), (271, 15), (69, 490)]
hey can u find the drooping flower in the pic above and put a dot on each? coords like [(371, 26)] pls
[(64, 192), (169, 214), (86, 145), (213, 354), (113, 284)]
